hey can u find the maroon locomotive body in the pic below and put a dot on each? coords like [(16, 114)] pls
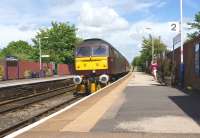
[(116, 63)]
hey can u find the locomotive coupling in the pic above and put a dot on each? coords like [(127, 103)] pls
[(77, 79), (104, 78)]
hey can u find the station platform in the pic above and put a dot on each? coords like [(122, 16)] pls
[(137, 107), (10, 83)]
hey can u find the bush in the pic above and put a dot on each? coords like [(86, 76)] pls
[(167, 68), (48, 72), (27, 74), (1, 72)]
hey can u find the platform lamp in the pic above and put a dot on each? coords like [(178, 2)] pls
[(40, 51), (152, 41)]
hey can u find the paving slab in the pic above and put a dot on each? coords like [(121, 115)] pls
[(139, 107), (149, 108)]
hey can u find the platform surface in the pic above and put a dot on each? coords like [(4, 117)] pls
[(139, 107), (10, 83)]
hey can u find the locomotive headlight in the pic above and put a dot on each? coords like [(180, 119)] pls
[(77, 79), (104, 78)]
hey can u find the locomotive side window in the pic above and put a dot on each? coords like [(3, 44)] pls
[(100, 50), (83, 51)]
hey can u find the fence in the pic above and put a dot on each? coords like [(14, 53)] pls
[(191, 63), (30, 69)]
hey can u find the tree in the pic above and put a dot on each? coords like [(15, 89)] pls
[(20, 49), (146, 52), (58, 41), (136, 61), (196, 26)]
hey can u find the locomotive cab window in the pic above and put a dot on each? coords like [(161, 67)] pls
[(83, 51), (100, 50)]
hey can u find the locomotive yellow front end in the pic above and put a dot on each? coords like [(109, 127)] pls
[(90, 58), (91, 63)]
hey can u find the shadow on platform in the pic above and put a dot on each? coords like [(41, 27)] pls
[(190, 104)]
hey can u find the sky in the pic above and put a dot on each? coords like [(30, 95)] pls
[(120, 22)]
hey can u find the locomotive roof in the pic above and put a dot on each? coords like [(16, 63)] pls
[(101, 40), (95, 40)]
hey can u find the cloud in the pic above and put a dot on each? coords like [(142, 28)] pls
[(161, 4), (134, 6), (106, 19), (13, 33), (104, 22)]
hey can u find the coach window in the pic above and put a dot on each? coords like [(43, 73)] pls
[(197, 59)]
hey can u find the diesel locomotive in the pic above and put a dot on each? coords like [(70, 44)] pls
[(97, 63)]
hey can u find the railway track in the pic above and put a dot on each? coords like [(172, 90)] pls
[(21, 102), (37, 117), (14, 92), (15, 105)]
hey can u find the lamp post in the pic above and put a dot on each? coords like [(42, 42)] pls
[(152, 42), (40, 51)]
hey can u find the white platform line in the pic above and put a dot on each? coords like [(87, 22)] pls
[(31, 81), (20, 131)]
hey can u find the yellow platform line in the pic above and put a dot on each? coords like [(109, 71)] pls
[(87, 120)]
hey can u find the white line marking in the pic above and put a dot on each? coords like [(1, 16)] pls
[(32, 81), (18, 132)]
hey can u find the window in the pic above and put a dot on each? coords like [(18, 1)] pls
[(197, 59), (83, 51), (99, 50)]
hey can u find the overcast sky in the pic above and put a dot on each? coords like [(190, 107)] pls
[(120, 22)]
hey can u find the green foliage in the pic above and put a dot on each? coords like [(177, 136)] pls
[(166, 67), (196, 26), (146, 52), (59, 45), (136, 61), (27, 74), (19, 49), (1, 72)]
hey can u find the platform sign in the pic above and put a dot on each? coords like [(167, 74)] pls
[(177, 39), (174, 26), (45, 56), (197, 59)]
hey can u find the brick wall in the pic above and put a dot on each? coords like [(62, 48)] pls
[(190, 78)]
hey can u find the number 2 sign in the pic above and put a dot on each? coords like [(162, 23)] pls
[(174, 26)]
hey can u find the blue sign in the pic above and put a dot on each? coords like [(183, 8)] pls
[(197, 59)]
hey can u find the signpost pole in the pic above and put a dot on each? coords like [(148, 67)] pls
[(181, 33)]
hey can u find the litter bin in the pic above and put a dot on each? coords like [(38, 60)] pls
[(42, 74), (34, 75)]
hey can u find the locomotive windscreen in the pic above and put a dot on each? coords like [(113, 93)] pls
[(83, 51), (92, 50)]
